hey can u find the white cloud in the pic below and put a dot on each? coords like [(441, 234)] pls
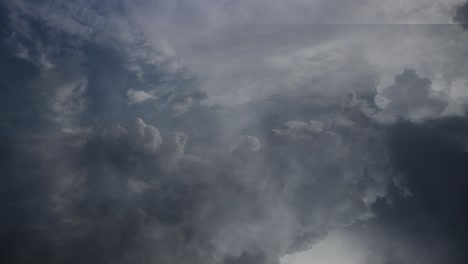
[(147, 137), (138, 96), (246, 145), (181, 108)]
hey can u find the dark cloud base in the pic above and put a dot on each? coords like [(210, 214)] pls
[(461, 15), (433, 157)]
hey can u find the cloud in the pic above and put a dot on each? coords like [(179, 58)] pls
[(137, 97), (137, 187), (356, 109), (247, 144), (146, 136), (184, 106), (131, 181), (411, 96), (433, 229), (431, 157), (69, 101), (325, 61), (461, 15)]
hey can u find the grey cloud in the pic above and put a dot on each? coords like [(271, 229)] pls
[(137, 187), (247, 144), (121, 187), (146, 136), (328, 62), (173, 150), (98, 55), (461, 15), (411, 96), (428, 227), (137, 96), (184, 106), (139, 194), (356, 109), (312, 151)]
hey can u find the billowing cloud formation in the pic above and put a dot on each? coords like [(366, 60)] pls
[(411, 96), (147, 137), (247, 144), (137, 193), (163, 132), (356, 109)]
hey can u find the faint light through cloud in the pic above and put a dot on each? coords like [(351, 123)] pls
[(338, 247)]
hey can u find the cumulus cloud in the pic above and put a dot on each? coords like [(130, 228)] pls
[(411, 96), (356, 109), (142, 185), (146, 136), (247, 144)]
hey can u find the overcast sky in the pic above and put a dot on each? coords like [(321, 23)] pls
[(234, 132)]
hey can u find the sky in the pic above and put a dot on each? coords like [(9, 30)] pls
[(234, 132)]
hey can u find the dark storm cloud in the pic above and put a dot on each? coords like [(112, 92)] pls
[(210, 207), (426, 224), (461, 15), (110, 153), (430, 226), (128, 192)]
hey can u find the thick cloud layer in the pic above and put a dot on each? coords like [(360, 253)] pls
[(433, 158), (132, 191), (164, 132)]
